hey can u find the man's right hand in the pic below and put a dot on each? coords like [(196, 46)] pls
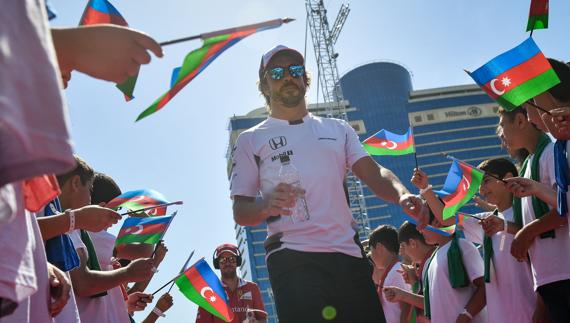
[(140, 270), (282, 198), (95, 218)]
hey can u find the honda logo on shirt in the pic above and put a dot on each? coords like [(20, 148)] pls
[(277, 142)]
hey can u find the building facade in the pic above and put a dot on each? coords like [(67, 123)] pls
[(458, 120)]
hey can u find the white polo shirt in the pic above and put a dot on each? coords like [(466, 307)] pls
[(510, 294), (446, 302), (548, 261), (322, 149), (392, 311)]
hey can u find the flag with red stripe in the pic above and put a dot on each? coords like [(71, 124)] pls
[(538, 15), (103, 12), (200, 284), (516, 76), (461, 184), (143, 230), (140, 199), (387, 143)]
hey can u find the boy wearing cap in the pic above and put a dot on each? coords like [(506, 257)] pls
[(244, 296), (316, 265)]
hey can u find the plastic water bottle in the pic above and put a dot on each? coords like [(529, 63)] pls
[(290, 175)]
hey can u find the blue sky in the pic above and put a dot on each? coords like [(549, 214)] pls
[(180, 151)]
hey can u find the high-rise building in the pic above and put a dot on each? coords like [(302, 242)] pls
[(457, 120)]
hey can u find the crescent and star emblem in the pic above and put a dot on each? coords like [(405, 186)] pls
[(203, 292), (505, 81), (466, 184), (389, 144), (136, 229)]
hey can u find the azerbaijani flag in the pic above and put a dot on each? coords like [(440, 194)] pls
[(200, 284), (386, 143), (516, 76), (461, 184), (103, 12), (143, 230), (538, 15), (195, 62), (140, 199)]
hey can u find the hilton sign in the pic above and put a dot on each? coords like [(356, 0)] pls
[(454, 113)]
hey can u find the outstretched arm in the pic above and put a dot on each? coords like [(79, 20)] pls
[(386, 185)]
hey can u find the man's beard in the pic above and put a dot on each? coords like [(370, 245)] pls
[(290, 95), (229, 275)]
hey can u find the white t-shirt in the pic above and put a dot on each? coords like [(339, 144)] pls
[(322, 150), (510, 294), (69, 313), (104, 243), (91, 310), (446, 302), (23, 265), (33, 117), (391, 310), (548, 261)]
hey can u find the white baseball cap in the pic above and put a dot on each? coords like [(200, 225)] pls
[(266, 58)]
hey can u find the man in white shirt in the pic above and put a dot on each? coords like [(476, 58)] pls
[(317, 255), (384, 247)]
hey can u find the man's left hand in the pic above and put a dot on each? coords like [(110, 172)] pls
[(412, 205)]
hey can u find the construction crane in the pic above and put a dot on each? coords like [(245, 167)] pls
[(324, 37)]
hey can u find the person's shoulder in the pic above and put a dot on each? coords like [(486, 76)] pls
[(248, 284), (330, 122), (247, 133)]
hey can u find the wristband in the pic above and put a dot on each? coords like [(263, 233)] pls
[(425, 190), (71, 215), (158, 312), (466, 313)]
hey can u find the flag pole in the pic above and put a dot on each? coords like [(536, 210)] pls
[(446, 155), (173, 279), (266, 24), (182, 269), (170, 281), (538, 107), (163, 233), (152, 207)]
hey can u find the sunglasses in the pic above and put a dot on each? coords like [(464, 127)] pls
[(231, 260), (295, 71)]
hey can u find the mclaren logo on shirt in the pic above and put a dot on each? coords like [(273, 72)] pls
[(277, 142)]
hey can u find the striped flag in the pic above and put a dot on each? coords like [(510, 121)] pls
[(461, 184), (197, 60), (140, 199), (538, 15), (516, 76), (103, 12), (200, 284), (143, 230), (387, 143)]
